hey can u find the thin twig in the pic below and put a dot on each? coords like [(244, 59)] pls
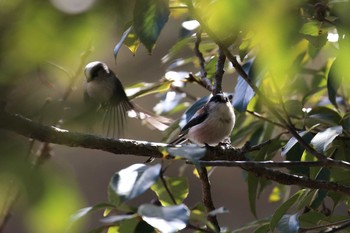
[(205, 81), (338, 226), (161, 176), (192, 79), (206, 196), (264, 118)]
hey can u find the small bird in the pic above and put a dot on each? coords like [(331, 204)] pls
[(104, 87), (211, 124)]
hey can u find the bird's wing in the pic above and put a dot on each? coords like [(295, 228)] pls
[(197, 118)]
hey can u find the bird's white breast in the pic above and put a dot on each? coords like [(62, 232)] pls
[(215, 128), (100, 90)]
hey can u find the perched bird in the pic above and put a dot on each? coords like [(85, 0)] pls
[(211, 124), (104, 87)]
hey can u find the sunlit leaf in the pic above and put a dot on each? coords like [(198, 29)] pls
[(166, 219), (132, 42), (310, 28), (117, 218), (275, 194), (113, 229), (122, 40), (191, 152), (322, 140), (142, 89), (210, 67), (221, 210), (243, 93), (291, 143), (150, 17), (178, 187), (132, 181), (289, 224)]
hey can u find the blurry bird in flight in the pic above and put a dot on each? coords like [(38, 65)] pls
[(104, 87)]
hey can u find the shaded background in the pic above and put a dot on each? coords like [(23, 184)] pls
[(42, 41)]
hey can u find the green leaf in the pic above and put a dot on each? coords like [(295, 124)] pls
[(191, 152), (129, 39), (265, 228), (113, 229), (333, 83), (178, 187), (150, 17), (131, 182), (310, 28), (210, 67), (243, 93), (253, 183), (311, 218), (165, 219), (322, 140), (132, 42), (176, 48), (324, 115), (281, 210), (254, 224), (293, 151), (135, 225), (289, 224)]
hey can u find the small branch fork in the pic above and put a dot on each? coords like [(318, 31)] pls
[(205, 82)]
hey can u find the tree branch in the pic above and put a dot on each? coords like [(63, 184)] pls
[(220, 65), (274, 164), (26, 127)]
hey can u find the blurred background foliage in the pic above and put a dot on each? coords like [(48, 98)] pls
[(296, 52)]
